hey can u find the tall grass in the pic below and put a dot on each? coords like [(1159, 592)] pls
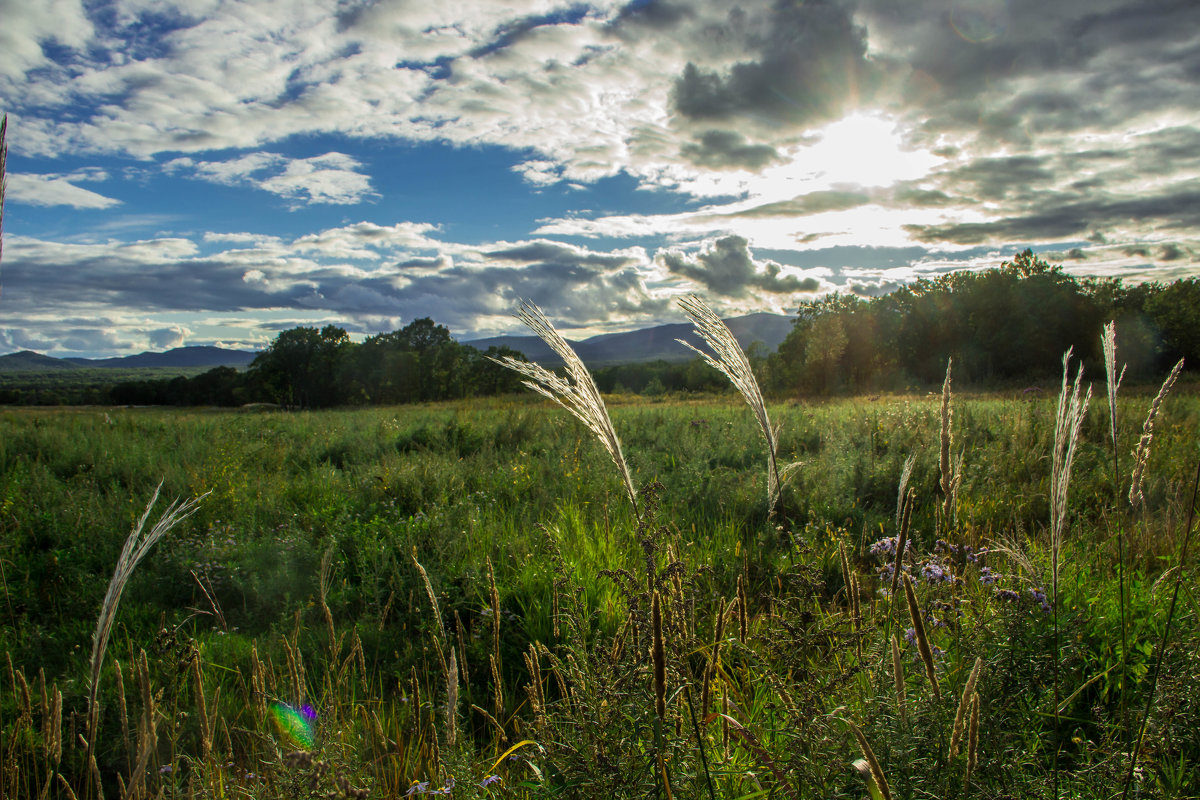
[(551, 666)]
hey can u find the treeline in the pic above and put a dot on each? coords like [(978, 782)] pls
[(309, 368), (1001, 326)]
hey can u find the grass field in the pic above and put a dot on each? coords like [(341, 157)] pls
[(283, 642)]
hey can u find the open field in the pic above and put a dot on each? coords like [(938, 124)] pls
[(282, 641)]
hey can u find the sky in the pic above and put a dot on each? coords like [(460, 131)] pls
[(206, 172)]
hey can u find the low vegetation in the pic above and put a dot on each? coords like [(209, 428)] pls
[(461, 599)]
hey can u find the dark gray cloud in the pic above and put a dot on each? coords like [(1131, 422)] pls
[(1059, 217), (558, 254), (717, 149), (1010, 71), (727, 268), (805, 63)]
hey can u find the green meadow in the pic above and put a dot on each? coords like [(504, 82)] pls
[(282, 641)]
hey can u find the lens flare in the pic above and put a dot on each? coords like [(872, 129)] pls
[(297, 724)]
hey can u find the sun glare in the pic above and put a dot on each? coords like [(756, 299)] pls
[(866, 150)]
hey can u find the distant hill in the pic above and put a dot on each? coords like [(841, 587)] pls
[(29, 361), (202, 356), (647, 344)]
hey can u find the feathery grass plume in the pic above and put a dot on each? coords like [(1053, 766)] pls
[(1142, 454), (973, 738), (658, 655), (914, 611), (728, 358), (1108, 344), (577, 393), (874, 770), (905, 475), (902, 542), (947, 443), (898, 680), (1068, 421), (960, 716), (136, 547)]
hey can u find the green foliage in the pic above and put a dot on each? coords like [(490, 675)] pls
[(525, 487), (1006, 324)]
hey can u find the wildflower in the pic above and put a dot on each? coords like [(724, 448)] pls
[(488, 781), (1040, 597), (418, 787), (165, 769), (989, 578), (935, 573), (1007, 594)]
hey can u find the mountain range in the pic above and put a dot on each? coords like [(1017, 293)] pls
[(645, 344)]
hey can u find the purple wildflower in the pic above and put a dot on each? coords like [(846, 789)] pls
[(989, 578), (1007, 594), (1040, 597), (488, 781), (165, 769)]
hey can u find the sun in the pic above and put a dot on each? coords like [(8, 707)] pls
[(866, 150)]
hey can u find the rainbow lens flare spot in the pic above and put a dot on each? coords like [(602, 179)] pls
[(297, 724)]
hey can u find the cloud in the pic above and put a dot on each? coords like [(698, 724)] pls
[(808, 64), (332, 178), (725, 266), (717, 149), (54, 190), (165, 338)]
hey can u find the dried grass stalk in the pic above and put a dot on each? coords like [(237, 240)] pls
[(135, 549), (577, 393), (437, 611), (497, 686), (743, 610), (973, 738), (714, 659), (1142, 454), (947, 443), (725, 355), (658, 655), (202, 708), (873, 767), (914, 611), (960, 717)]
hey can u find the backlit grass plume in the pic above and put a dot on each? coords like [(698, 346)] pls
[(135, 549), (577, 392), (1142, 455), (726, 355)]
